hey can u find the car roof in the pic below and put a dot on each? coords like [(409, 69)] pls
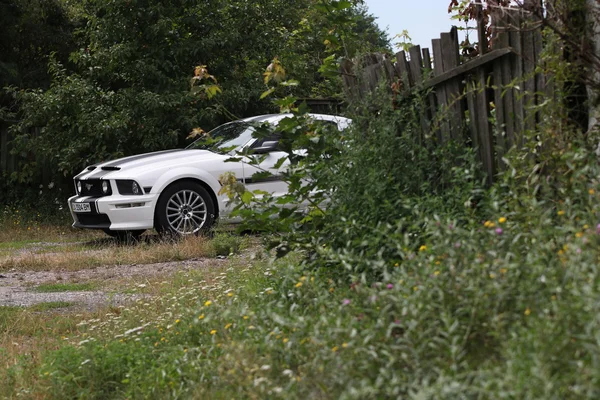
[(342, 121)]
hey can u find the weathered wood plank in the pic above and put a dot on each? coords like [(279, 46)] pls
[(502, 101), (468, 66), (486, 139), (514, 25), (528, 55), (450, 60), (471, 89), (440, 90), (416, 70), (349, 79), (540, 79), (432, 109), (499, 113), (416, 65), (481, 28), (403, 70)]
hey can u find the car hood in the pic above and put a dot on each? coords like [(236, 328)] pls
[(146, 162)]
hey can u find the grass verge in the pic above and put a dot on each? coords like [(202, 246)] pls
[(65, 287), (100, 252)]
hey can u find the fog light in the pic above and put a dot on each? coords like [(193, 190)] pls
[(105, 187)]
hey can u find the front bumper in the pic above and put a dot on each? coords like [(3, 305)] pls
[(115, 212)]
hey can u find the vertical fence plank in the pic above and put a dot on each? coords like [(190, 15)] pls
[(450, 60), (432, 106), (528, 56), (403, 70), (471, 88), (416, 69), (486, 139), (514, 24), (540, 79), (440, 90), (502, 100)]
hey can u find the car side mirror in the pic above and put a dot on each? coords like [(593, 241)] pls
[(266, 147)]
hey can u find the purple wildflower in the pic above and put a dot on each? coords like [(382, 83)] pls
[(499, 231), (346, 302), (390, 286), (457, 245)]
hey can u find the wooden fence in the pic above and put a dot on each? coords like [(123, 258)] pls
[(499, 81)]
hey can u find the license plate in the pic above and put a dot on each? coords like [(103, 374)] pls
[(81, 207)]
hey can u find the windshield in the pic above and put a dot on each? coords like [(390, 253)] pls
[(225, 137)]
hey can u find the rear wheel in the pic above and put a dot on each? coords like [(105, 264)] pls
[(184, 208), (125, 236)]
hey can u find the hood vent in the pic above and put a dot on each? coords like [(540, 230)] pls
[(110, 168)]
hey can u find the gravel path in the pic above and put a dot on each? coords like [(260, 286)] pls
[(18, 288)]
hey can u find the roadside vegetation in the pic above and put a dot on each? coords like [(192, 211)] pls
[(408, 277)]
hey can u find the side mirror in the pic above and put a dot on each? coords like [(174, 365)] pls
[(266, 147)]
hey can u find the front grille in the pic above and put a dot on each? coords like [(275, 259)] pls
[(93, 187), (98, 220)]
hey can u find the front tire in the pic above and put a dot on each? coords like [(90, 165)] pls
[(184, 208)]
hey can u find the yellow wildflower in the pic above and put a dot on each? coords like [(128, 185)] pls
[(586, 226), (560, 212), (228, 326), (527, 311), (503, 270), (245, 317), (302, 279), (331, 290), (298, 284), (177, 321), (579, 234), (423, 248), (201, 316), (344, 345), (208, 303), (285, 340), (334, 349), (436, 273), (213, 331), (502, 220), (230, 294), (492, 276), (591, 191)]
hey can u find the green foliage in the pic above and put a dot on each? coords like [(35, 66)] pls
[(226, 244)]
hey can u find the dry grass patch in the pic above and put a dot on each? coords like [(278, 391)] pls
[(107, 252)]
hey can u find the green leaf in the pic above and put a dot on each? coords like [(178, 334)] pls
[(247, 197), (266, 93)]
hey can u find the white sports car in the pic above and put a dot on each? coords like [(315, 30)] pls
[(176, 191)]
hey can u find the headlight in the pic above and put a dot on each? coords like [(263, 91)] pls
[(78, 187), (129, 187), (135, 188), (105, 187)]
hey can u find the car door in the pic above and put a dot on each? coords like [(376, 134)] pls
[(269, 159)]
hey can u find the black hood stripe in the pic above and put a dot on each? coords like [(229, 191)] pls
[(115, 165), (122, 161)]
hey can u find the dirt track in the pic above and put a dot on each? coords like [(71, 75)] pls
[(18, 288)]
